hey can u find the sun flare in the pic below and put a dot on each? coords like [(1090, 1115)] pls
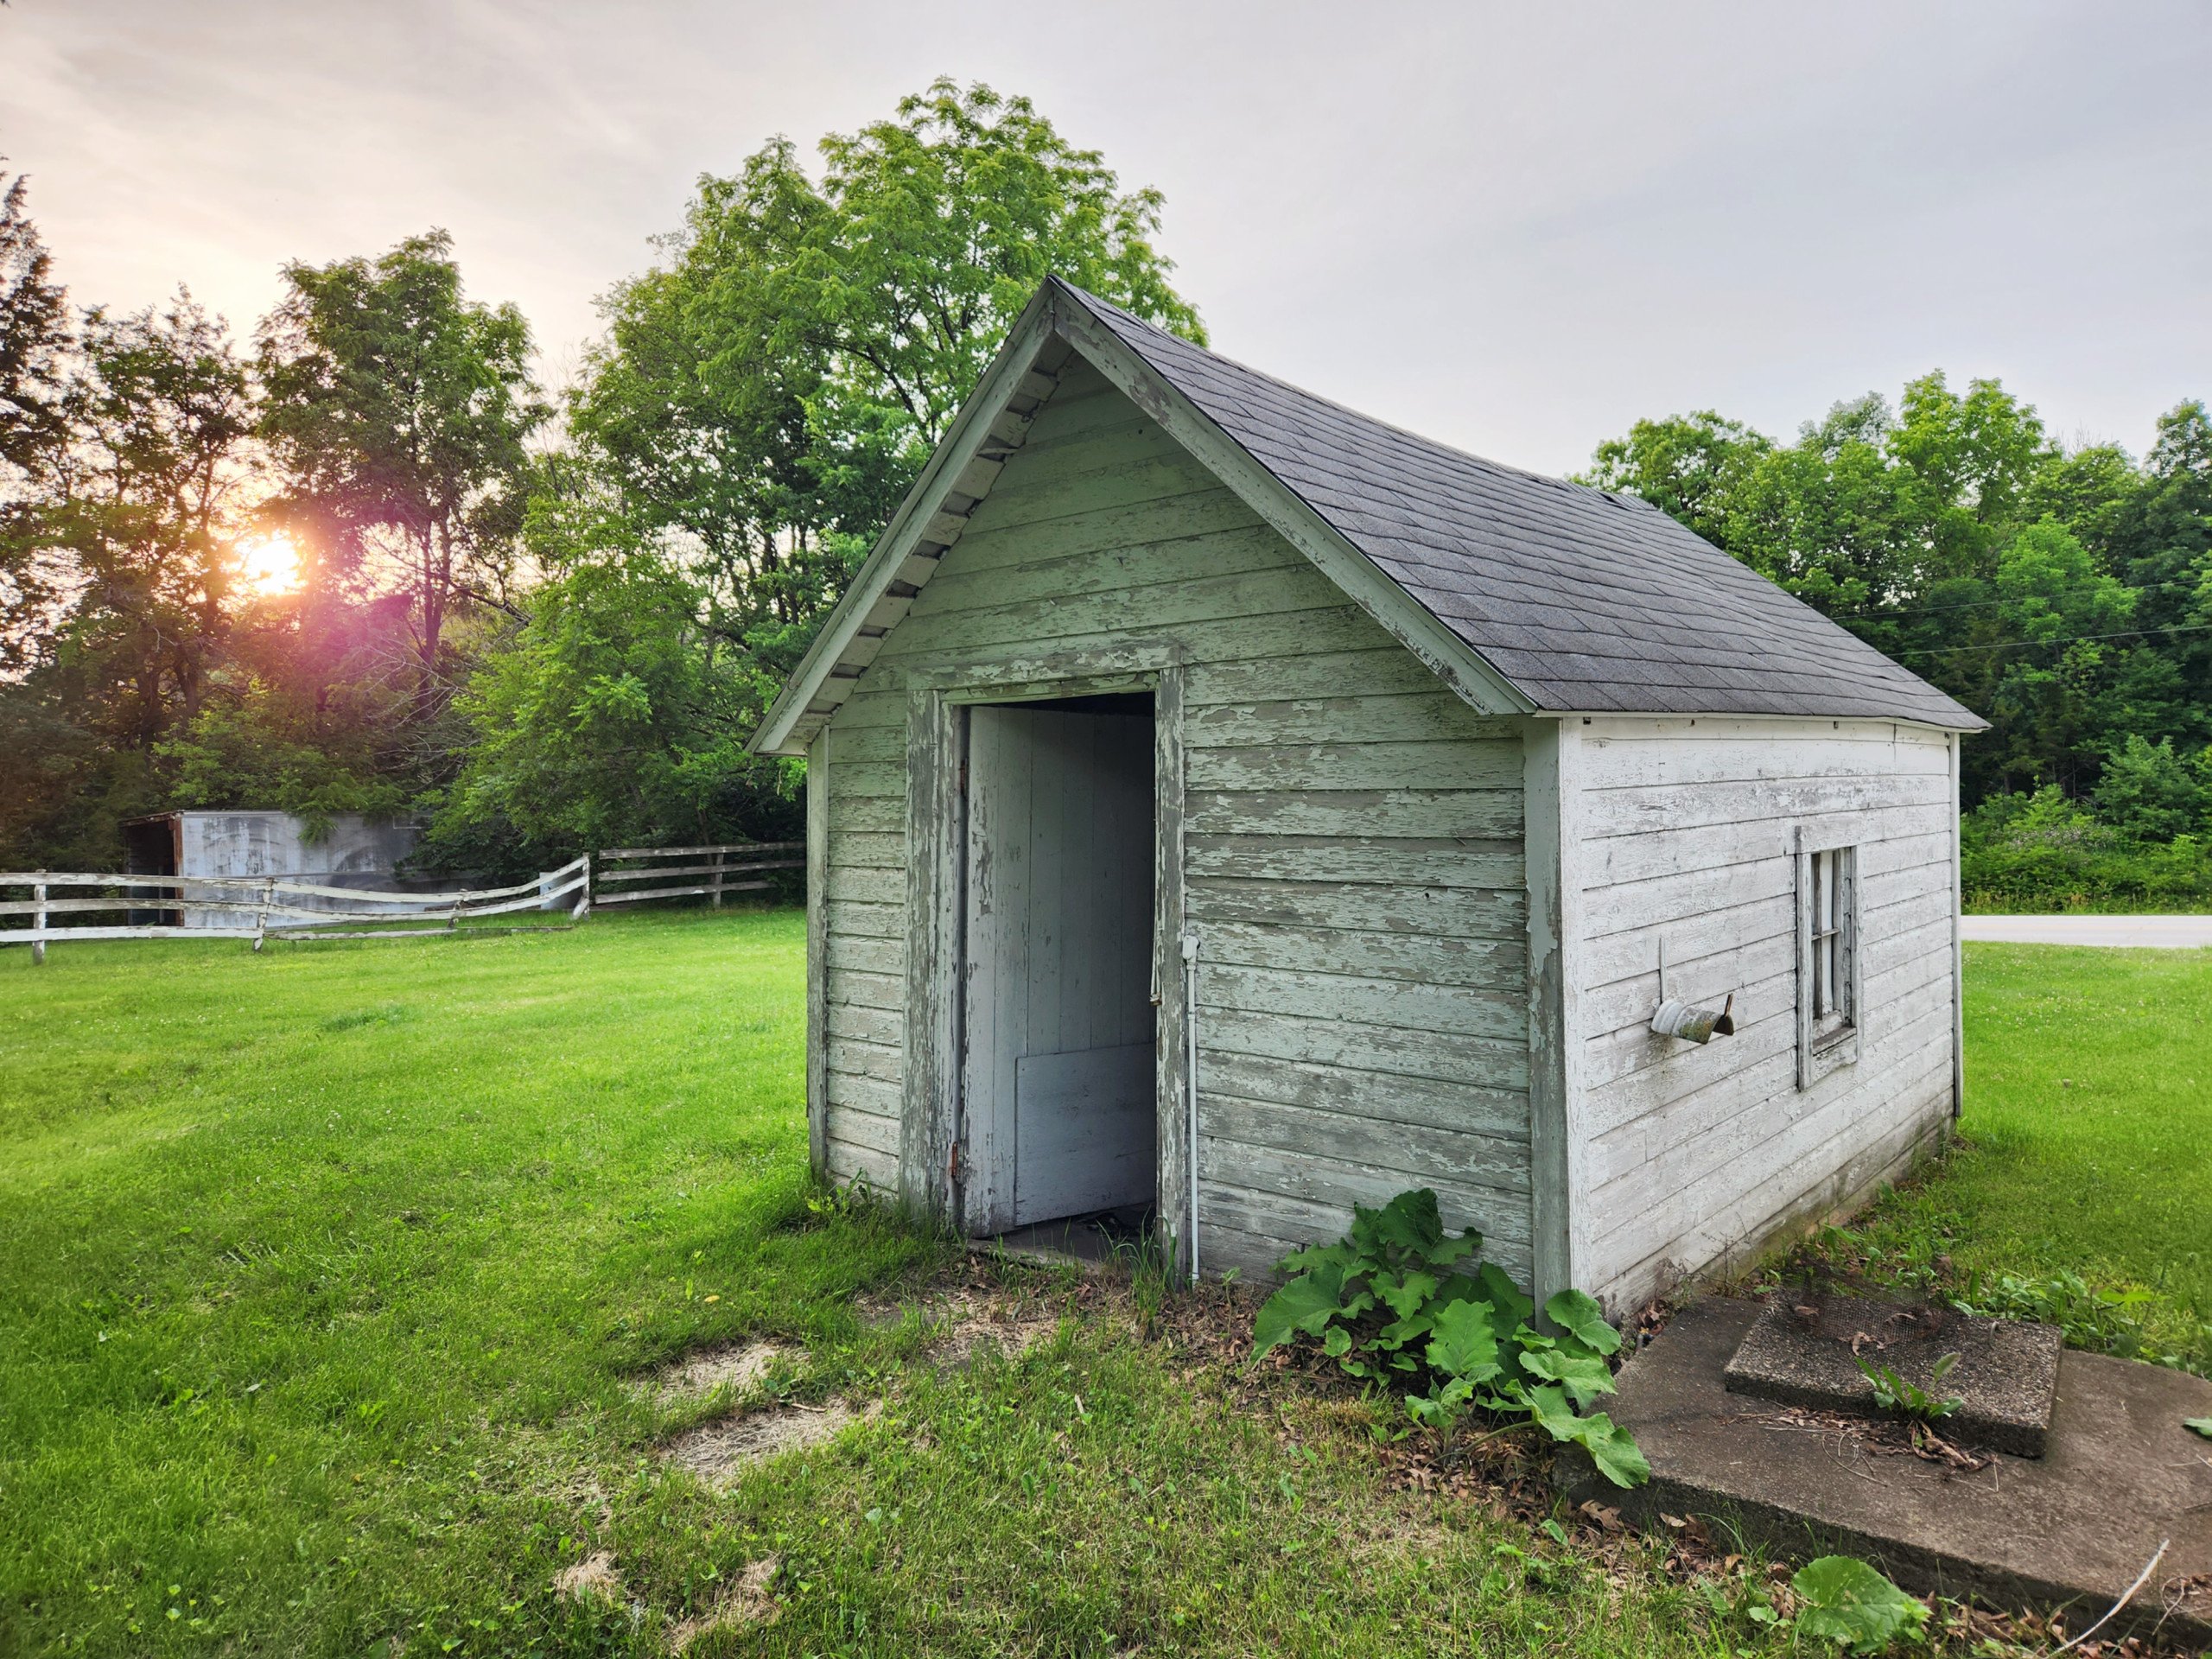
[(268, 565)]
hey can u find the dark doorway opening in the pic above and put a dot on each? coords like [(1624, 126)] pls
[(1059, 1094), (150, 847)]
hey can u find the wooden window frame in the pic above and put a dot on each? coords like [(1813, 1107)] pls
[(1831, 1003)]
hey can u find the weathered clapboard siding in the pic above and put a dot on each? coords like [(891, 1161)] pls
[(1689, 833), (1352, 843)]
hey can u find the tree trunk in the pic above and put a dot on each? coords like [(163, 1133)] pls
[(433, 616)]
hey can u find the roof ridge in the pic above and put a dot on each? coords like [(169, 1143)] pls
[(1627, 503), (1423, 512)]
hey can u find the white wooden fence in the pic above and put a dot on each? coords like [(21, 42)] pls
[(267, 905), (709, 872)]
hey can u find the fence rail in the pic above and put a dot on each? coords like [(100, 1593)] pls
[(267, 900), (261, 907), (743, 859)]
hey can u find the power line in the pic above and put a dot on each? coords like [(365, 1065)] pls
[(1923, 610), (2068, 639)]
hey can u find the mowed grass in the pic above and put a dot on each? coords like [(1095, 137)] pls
[(2089, 1134), (2090, 1092), (322, 1270), (327, 1278)]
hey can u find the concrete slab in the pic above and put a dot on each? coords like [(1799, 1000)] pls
[(2072, 1530), (1806, 1347), (2174, 933)]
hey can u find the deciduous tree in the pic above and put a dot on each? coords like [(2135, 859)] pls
[(398, 410)]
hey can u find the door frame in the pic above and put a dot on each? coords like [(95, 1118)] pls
[(931, 1122)]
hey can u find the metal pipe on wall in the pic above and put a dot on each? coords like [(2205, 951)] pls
[(1190, 1082)]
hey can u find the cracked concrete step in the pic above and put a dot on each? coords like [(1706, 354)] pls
[(2073, 1528), (1806, 1347)]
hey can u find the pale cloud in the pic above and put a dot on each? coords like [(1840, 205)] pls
[(1516, 228)]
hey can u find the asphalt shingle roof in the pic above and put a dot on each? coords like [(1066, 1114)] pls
[(1586, 600)]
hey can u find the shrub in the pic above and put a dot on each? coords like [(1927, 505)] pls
[(2043, 852), (1401, 1305)]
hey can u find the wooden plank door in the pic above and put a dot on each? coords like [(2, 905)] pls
[(1058, 1085)]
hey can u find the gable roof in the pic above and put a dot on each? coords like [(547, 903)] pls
[(1526, 593)]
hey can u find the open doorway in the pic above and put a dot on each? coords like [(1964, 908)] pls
[(152, 847), (1059, 1091)]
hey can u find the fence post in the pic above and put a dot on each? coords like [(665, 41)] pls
[(584, 893), (722, 857), (261, 916), (38, 920)]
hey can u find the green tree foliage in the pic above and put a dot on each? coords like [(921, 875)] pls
[(940, 224), (140, 671), (1695, 467), (550, 647), (2150, 793), (2064, 594), (604, 724), (761, 402), (398, 410), (120, 596), (35, 345), (765, 398)]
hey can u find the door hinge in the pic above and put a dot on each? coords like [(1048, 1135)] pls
[(952, 1167)]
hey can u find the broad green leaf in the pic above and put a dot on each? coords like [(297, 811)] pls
[(1465, 1344), (1458, 1287), (1408, 1222), (1314, 1257), (1404, 1294), (1585, 1376), (1399, 1332), (1547, 1404), (1337, 1343), (1502, 1294), (2200, 1425), (1430, 1413), (1613, 1449), (1303, 1305), (1446, 1251), (1580, 1316), (1844, 1600)]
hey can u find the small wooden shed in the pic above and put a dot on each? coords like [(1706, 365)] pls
[(1226, 807)]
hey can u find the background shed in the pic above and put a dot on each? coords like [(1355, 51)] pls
[(1183, 727), (348, 850)]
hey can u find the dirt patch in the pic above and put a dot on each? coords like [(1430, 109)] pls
[(958, 1325), (736, 1366), (593, 1578), (970, 1326), (718, 1452), (747, 1602)]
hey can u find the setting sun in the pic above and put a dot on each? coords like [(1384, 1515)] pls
[(268, 565)]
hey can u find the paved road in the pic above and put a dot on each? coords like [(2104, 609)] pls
[(2172, 930)]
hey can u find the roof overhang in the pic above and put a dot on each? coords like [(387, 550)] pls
[(1055, 327)]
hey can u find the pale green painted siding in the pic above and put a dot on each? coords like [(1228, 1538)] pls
[(1353, 850)]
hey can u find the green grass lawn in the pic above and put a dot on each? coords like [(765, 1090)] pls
[(2090, 1129), (328, 1277)]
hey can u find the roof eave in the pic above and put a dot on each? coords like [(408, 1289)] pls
[(1458, 663), (1967, 723)]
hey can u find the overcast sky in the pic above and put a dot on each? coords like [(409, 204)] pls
[(1517, 228)]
